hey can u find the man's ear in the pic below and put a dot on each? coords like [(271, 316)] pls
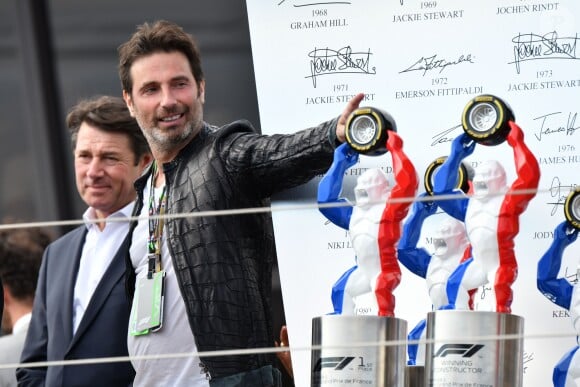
[(201, 91), (8, 299), (129, 102), (146, 159)]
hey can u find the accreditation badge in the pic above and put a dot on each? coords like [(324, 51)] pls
[(147, 308)]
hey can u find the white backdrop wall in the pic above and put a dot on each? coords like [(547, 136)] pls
[(422, 61)]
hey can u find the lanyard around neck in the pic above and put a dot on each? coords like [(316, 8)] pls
[(156, 222)]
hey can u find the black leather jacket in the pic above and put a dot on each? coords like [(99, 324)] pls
[(224, 263)]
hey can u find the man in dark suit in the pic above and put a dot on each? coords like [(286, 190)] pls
[(81, 310)]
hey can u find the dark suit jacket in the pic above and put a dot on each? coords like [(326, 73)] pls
[(102, 331)]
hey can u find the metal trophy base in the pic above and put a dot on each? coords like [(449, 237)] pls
[(415, 376), (346, 351), (470, 348)]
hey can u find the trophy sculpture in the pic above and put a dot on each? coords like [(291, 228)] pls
[(450, 248), (491, 218), (559, 290), (374, 225)]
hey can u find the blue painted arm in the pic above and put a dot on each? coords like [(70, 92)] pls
[(414, 336), (337, 295), (557, 290), (414, 258), (330, 186), (561, 375), (447, 175)]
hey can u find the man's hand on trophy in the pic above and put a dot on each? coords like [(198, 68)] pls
[(352, 105), (367, 130)]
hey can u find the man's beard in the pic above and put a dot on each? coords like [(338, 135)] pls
[(167, 141)]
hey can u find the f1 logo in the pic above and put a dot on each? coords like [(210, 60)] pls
[(337, 363), (465, 350)]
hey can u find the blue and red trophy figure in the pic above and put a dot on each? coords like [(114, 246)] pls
[(450, 247), (491, 214), (374, 221), (560, 291)]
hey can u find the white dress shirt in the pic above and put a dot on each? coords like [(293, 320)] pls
[(21, 325), (98, 251)]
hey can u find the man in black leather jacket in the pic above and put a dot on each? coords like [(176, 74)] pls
[(217, 266)]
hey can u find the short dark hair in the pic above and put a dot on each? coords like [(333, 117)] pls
[(162, 36), (109, 114), (21, 252)]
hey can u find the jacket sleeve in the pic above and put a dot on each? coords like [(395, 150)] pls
[(34, 349), (267, 164)]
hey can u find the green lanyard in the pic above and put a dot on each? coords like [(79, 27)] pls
[(155, 225)]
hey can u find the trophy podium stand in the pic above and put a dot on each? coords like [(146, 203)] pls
[(415, 376), (474, 348), (346, 351)]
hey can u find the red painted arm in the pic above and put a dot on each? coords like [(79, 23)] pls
[(527, 170), (406, 183)]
